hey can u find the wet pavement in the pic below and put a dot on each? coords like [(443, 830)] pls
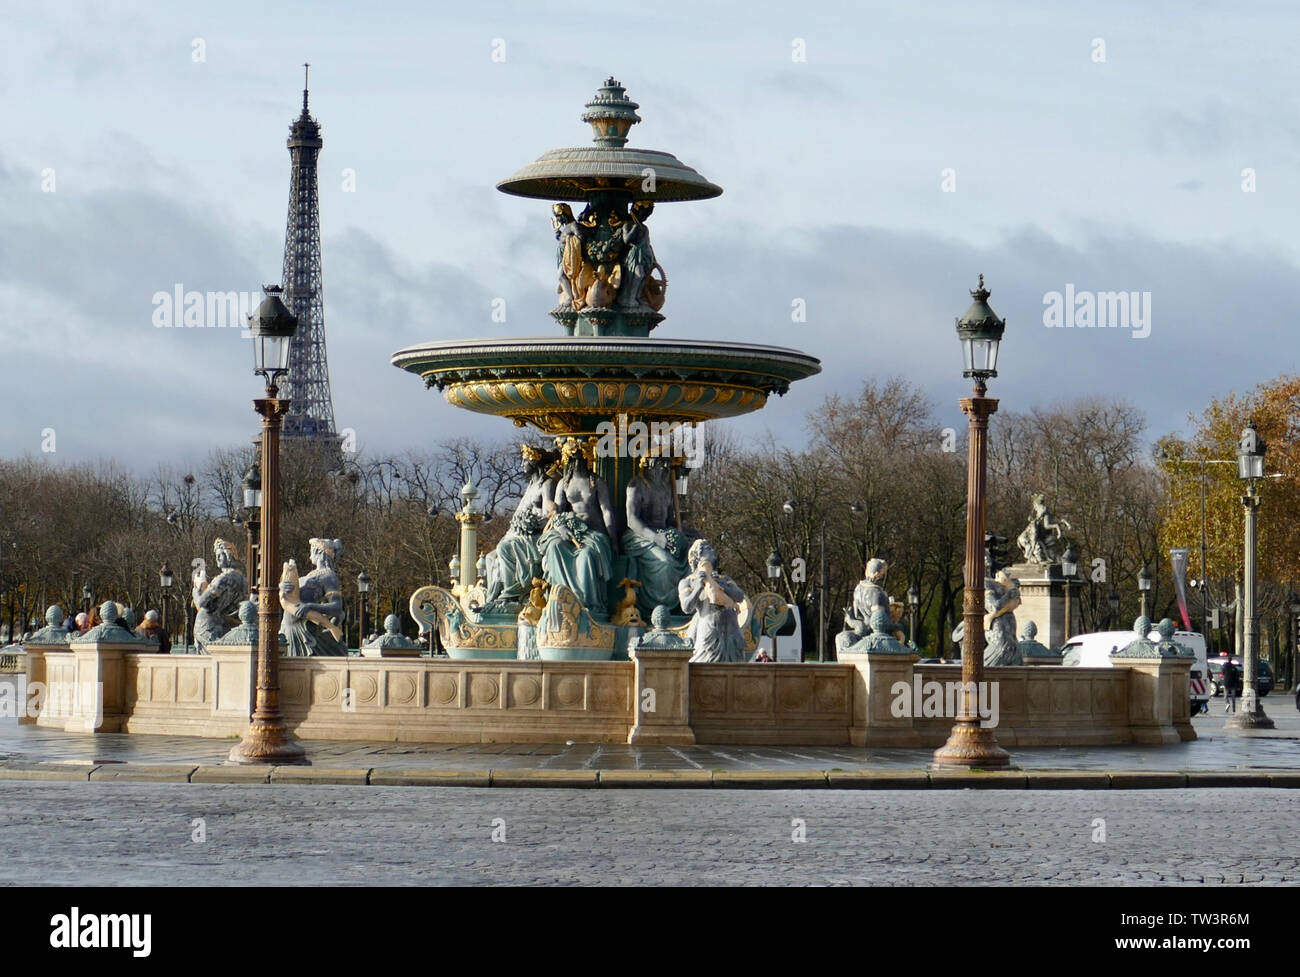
[(1216, 749)]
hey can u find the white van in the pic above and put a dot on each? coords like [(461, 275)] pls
[(1093, 651)]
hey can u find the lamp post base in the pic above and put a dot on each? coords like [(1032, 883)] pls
[(970, 745), (1250, 720), (269, 743)]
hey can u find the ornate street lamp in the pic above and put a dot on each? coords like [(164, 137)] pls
[(480, 568), (913, 602), (1250, 468), (363, 588), (87, 596), (1069, 570), (165, 580), (268, 739), (454, 566), (980, 332), (774, 567), (1144, 586)]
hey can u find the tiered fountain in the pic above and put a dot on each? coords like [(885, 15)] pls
[(597, 542)]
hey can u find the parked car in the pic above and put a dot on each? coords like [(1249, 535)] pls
[(1093, 651), (1264, 680)]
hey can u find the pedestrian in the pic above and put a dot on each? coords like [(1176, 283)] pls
[(83, 622), (1231, 685), (152, 629)]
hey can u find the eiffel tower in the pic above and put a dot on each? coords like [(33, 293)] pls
[(312, 413)]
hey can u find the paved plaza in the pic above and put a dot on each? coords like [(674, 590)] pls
[(144, 834), (118, 755)]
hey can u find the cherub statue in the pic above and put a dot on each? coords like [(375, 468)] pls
[(1041, 541), (219, 599)]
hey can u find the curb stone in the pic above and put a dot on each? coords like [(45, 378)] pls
[(431, 778), (877, 779), (1067, 780), (320, 775), (230, 773), (769, 779), (656, 778), (146, 773), (221, 773), (1143, 780), (544, 778)]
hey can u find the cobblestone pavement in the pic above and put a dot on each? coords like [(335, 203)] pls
[(1215, 749), (140, 834)]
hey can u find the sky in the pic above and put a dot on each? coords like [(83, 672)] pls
[(875, 159)]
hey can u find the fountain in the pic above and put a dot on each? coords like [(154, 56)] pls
[(597, 542)]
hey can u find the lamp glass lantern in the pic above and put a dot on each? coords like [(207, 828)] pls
[(86, 593), (1070, 562), (1113, 602), (252, 486), (774, 565), (980, 332), (913, 596), (480, 566), (272, 327), (1144, 580), (454, 566), (363, 582), (165, 577), (1250, 454)]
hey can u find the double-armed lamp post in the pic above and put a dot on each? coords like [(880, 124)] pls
[(969, 744), (1250, 468), (165, 580), (363, 588), (268, 740), (1144, 588)]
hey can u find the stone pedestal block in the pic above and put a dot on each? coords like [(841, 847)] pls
[(1159, 703), (663, 716), (1042, 600), (874, 722)]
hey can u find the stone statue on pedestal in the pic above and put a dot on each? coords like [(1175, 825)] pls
[(868, 597), (219, 599), (1043, 540), (313, 605), (714, 600), (576, 548), (1001, 598)]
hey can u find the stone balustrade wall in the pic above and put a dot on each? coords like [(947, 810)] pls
[(658, 697)]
